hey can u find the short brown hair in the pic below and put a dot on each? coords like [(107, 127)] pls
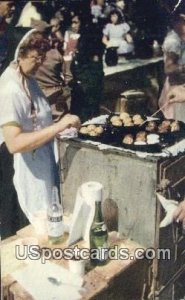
[(35, 41)]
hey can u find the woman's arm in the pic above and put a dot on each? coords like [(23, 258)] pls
[(129, 38), (105, 40), (19, 141)]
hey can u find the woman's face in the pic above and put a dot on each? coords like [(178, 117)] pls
[(114, 18), (31, 62), (7, 8), (75, 24), (120, 4), (100, 2), (180, 28), (55, 25)]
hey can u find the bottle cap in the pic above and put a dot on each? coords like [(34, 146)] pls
[(92, 191)]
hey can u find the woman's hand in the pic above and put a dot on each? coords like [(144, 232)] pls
[(179, 214), (68, 121), (129, 38), (176, 94), (105, 40)]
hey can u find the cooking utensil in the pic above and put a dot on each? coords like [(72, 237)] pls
[(155, 113)]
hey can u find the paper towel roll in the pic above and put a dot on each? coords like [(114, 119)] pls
[(83, 212), (92, 191)]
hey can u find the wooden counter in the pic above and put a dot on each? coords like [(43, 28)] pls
[(118, 279), (128, 65)]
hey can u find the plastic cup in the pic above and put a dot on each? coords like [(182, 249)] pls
[(39, 222), (77, 266)]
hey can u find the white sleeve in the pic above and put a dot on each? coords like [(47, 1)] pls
[(10, 103), (66, 39), (106, 30), (172, 44), (126, 27)]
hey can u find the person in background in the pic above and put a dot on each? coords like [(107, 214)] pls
[(118, 5), (71, 38), (28, 130), (7, 9), (97, 11), (56, 30), (117, 34), (11, 216), (174, 59), (50, 74)]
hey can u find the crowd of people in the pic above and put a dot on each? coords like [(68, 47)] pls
[(51, 67)]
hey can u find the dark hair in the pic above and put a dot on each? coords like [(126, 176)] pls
[(35, 41), (175, 15), (116, 12)]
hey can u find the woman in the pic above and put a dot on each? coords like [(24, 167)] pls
[(50, 74), (174, 59), (27, 128), (97, 10), (71, 38), (116, 34)]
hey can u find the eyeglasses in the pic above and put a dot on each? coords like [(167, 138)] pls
[(39, 58)]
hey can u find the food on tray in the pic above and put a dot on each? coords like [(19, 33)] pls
[(138, 121), (93, 133), (91, 127), (127, 120), (92, 130), (162, 129), (99, 129), (152, 138), (139, 143), (175, 126), (141, 136), (124, 115), (136, 117), (128, 139), (164, 126), (117, 123), (129, 124), (83, 130), (124, 119), (151, 126), (115, 119), (141, 139), (166, 123)]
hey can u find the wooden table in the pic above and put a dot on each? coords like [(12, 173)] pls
[(118, 279)]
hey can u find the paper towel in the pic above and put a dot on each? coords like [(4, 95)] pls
[(84, 211), (169, 207), (35, 280)]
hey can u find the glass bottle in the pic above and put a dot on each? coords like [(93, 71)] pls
[(98, 237), (55, 219)]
